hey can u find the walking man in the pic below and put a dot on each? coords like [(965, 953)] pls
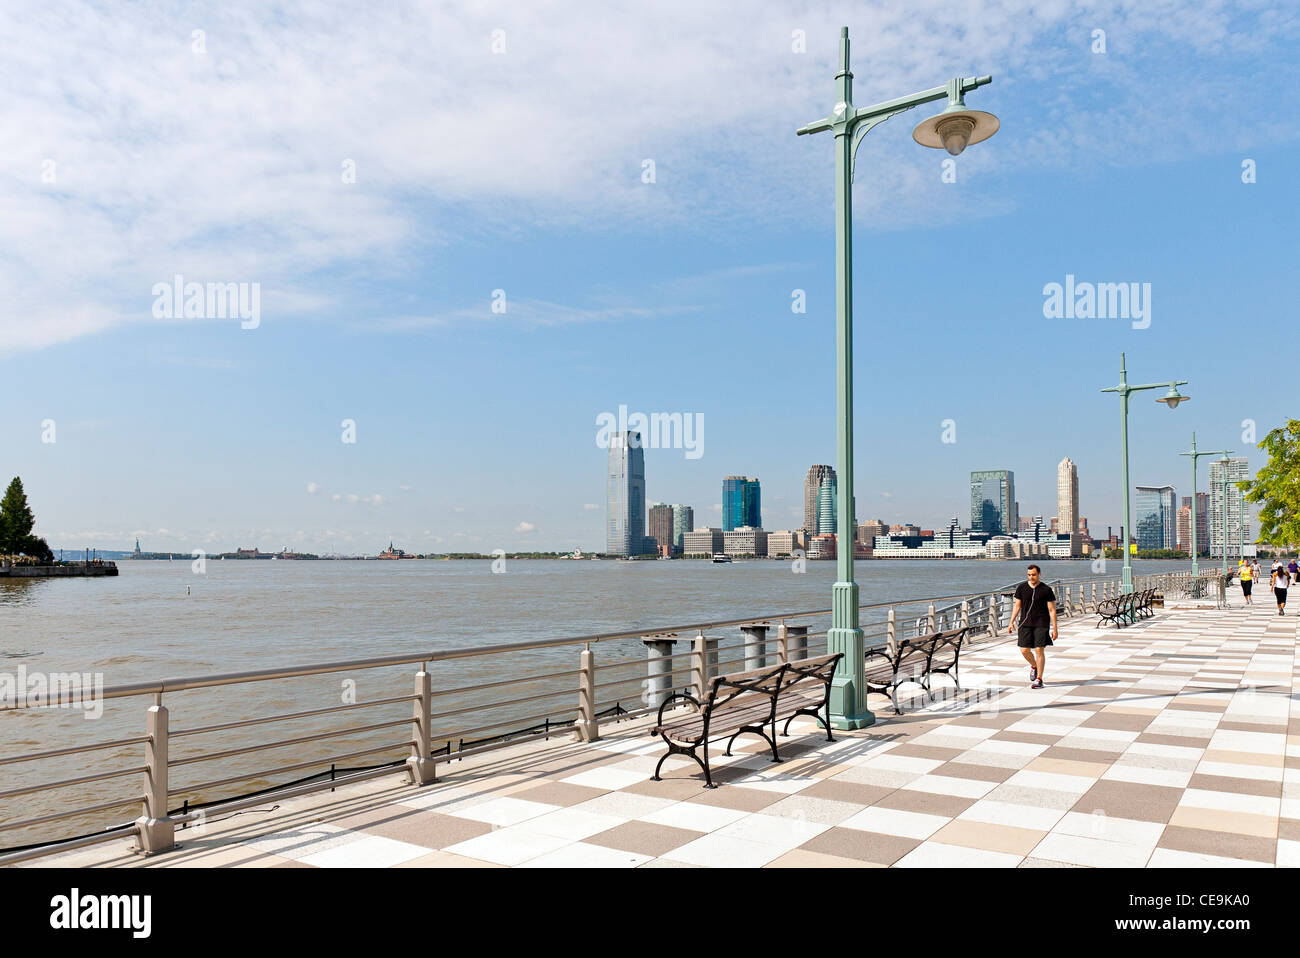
[(1035, 609)]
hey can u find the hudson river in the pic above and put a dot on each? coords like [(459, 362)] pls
[(161, 620)]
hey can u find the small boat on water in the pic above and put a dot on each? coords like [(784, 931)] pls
[(721, 557)]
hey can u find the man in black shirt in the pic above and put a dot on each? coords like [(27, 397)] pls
[(1035, 608)]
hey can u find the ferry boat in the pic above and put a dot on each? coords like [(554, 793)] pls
[(721, 557)]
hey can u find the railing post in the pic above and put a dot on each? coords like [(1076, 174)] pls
[(700, 667), (782, 643), (930, 621), (1094, 597), (797, 643), (587, 726), (755, 646), (421, 767), (659, 670), (155, 831), (965, 614), (995, 617), (891, 630)]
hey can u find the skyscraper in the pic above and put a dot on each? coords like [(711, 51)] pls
[(1155, 520), (1067, 495), (993, 502), (1202, 523), (1237, 470), (683, 522), (661, 527), (625, 495), (812, 486), (827, 504), (741, 503)]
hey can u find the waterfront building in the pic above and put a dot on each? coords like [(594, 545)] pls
[(1237, 470), (744, 541), (821, 546), (1202, 520), (869, 530), (993, 506), (904, 529), (1155, 517), (683, 522), (1067, 495), (827, 504), (1082, 528), (783, 542), (951, 543), (625, 495), (812, 487), (1024, 523), (702, 543), (661, 527), (741, 503)]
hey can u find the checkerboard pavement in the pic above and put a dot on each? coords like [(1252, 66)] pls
[(1173, 742)]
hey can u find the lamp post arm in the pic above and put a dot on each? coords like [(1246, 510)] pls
[(890, 107)]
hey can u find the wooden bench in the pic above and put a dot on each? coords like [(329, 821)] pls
[(944, 655), (806, 690), (746, 702), (914, 660)]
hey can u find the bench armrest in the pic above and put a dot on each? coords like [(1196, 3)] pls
[(669, 701)]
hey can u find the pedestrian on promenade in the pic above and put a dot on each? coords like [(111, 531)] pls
[(1247, 580), (1293, 569), (1035, 609), (1254, 570), (1281, 579)]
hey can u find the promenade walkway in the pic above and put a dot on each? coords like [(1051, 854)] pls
[(1173, 742)]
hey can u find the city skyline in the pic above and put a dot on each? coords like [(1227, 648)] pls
[(438, 292)]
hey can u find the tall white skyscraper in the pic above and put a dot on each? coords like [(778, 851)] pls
[(1067, 496), (1237, 468), (625, 495)]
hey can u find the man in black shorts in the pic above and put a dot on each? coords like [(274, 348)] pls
[(1035, 609)]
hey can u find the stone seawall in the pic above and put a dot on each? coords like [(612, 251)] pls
[(80, 569)]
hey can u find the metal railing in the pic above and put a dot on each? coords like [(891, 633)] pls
[(460, 712)]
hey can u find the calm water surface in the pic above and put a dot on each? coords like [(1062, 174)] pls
[(160, 620)]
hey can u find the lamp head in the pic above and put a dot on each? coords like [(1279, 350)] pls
[(1173, 397), (955, 128)]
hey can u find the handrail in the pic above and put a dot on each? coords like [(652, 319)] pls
[(166, 686)]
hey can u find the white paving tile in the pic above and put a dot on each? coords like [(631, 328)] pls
[(1052, 781), (1230, 802), (572, 823), (607, 777), (1288, 853), (951, 785), (508, 846), (693, 815), (780, 831), (892, 821), (721, 851), (1171, 858), (370, 851), (1142, 775), (505, 811), (1091, 851), (1126, 831), (1006, 813), (940, 855), (583, 855)]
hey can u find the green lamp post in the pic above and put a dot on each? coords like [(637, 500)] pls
[(1195, 455), (1224, 507), (953, 130), (1172, 398)]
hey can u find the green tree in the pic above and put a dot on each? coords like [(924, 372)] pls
[(1276, 487), (16, 519)]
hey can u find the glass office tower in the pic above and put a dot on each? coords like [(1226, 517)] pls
[(741, 503), (1155, 522), (993, 502), (625, 495)]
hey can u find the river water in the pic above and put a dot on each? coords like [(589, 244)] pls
[(161, 619)]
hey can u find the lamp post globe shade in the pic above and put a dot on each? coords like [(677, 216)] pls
[(955, 130), (1173, 397)]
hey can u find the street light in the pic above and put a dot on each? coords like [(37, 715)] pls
[(1224, 505), (953, 130), (1195, 455), (1172, 399)]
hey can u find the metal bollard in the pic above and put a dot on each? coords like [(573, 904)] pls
[(755, 646), (659, 670), (930, 620)]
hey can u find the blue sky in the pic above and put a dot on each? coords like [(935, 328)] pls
[(219, 157)]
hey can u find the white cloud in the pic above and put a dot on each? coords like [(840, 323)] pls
[(227, 166), (313, 488), (525, 527)]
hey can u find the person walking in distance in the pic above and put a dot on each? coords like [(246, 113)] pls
[(1035, 610), (1281, 579), (1247, 577)]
